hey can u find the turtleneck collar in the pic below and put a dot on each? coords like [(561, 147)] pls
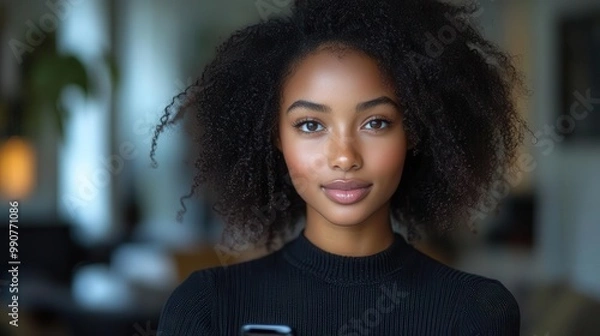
[(339, 269)]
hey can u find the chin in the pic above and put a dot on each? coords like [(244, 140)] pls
[(347, 217)]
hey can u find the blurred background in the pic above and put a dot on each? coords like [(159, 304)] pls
[(85, 81)]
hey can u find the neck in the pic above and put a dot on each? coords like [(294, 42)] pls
[(369, 237)]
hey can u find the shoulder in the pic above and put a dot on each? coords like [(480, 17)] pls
[(189, 308), (488, 308), (484, 306)]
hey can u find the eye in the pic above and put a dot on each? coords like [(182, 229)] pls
[(309, 126), (377, 124)]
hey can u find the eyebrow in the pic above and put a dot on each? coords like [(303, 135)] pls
[(383, 100)]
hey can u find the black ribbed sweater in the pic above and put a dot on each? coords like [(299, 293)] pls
[(398, 291)]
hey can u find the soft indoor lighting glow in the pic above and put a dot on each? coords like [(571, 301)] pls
[(17, 168)]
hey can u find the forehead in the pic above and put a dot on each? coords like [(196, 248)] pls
[(333, 72)]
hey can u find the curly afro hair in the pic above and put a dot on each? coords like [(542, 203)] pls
[(455, 86)]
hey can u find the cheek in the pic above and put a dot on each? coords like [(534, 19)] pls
[(388, 160), (304, 162)]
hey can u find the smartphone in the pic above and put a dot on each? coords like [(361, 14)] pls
[(266, 330)]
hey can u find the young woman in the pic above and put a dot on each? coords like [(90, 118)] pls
[(354, 119)]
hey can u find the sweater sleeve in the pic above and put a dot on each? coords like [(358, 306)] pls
[(188, 311), (489, 309)]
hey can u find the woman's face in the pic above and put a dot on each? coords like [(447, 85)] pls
[(341, 134)]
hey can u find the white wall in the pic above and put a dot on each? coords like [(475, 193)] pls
[(568, 180)]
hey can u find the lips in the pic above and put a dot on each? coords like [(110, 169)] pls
[(346, 185), (346, 191)]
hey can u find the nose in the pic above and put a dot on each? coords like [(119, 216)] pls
[(343, 154)]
